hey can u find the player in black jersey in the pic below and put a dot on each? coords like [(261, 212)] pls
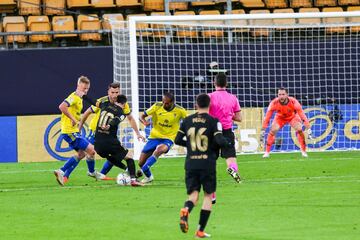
[(202, 136), (107, 144)]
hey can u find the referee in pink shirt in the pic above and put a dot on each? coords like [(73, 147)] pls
[(225, 107)]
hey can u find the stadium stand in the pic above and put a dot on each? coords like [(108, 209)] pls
[(185, 33), (183, 6), (102, 3), (260, 32), (276, 3), (7, 6), (63, 23), (78, 3), (1, 38), (354, 29), (158, 31), (39, 24), (285, 21), (29, 7), (332, 30), (128, 3), (15, 24), (348, 2), (212, 33), (107, 17), (252, 3), (324, 3), (89, 22), (238, 22), (141, 26), (153, 5), (300, 3), (54, 7), (195, 4), (312, 21)]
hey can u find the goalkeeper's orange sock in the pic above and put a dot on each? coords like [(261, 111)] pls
[(301, 137), (269, 141)]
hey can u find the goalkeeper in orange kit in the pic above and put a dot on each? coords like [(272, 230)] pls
[(288, 111)]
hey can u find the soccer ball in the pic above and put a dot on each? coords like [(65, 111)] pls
[(123, 179)]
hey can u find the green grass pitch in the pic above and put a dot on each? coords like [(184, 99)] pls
[(283, 197)]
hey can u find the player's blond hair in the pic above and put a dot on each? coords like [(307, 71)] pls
[(83, 79)]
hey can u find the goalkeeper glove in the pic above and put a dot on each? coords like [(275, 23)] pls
[(309, 132)]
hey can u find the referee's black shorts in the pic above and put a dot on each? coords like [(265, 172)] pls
[(196, 178), (229, 151), (111, 149)]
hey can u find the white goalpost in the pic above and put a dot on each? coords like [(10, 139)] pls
[(316, 56)]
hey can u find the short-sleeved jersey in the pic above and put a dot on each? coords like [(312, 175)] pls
[(96, 110), (75, 105), (223, 106), (200, 131), (285, 112), (165, 124), (110, 111)]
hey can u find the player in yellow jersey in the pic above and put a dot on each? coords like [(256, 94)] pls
[(165, 117), (71, 109), (94, 122)]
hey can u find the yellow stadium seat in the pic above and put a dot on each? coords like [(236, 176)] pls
[(212, 33), (276, 3), (184, 33), (158, 28), (1, 38), (324, 3), (354, 29), (154, 5), (334, 20), (39, 24), (183, 6), (29, 7), (348, 2), (238, 22), (89, 22), (309, 21), (301, 3), (15, 24), (128, 3), (7, 6), (78, 3), (102, 3), (107, 17), (252, 3), (54, 7), (63, 23), (260, 32), (209, 3), (141, 26), (284, 21)]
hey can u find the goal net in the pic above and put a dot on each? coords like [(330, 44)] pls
[(316, 56)]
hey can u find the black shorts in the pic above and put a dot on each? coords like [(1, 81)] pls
[(196, 178), (229, 151), (111, 149)]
